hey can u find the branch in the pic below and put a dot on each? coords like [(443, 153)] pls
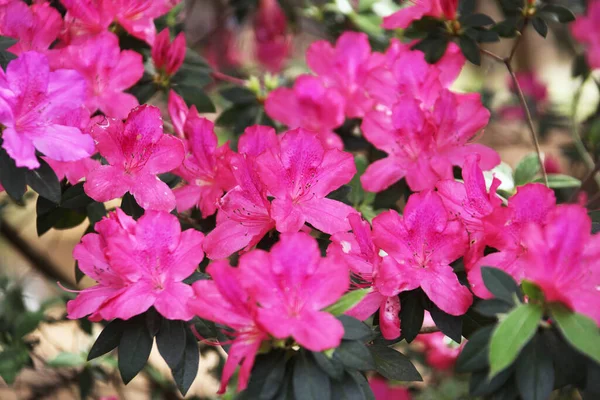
[(228, 78)]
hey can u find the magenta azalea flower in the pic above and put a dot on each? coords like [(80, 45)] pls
[(168, 56), (292, 284), (361, 255), (225, 301), (244, 215), (585, 29), (563, 259), (420, 247), (136, 151), (33, 104), (108, 71), (299, 173), (36, 27), (443, 9), (73, 171), (309, 105), (137, 265), (273, 43), (344, 67)]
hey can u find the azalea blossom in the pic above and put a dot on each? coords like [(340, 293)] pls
[(168, 56), (421, 245), (362, 257), (137, 265), (309, 105), (345, 68), (383, 390), (244, 215), (73, 171), (36, 27), (563, 259), (107, 70), (292, 284), (33, 104), (442, 9), (225, 301), (136, 151), (205, 167), (273, 42), (505, 230), (585, 29), (298, 172), (440, 351)]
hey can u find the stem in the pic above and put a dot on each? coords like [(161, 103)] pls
[(228, 78)]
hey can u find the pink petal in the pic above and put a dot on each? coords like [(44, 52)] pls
[(171, 302), (230, 236), (189, 196), (167, 155), (131, 301), (152, 194), (106, 183), (188, 255), (442, 287), (90, 301), (367, 306), (317, 331), (389, 320), (328, 284), (382, 174), (64, 143), (326, 215), (178, 111), (20, 148), (256, 139), (289, 217)]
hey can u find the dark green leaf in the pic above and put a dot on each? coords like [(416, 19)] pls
[(450, 325), (355, 355), (170, 341), (535, 371), (473, 321), (477, 20), (108, 339), (195, 96), (309, 382), (355, 329), (196, 276), (75, 197), (580, 67), (131, 207), (411, 314), (466, 7), (433, 47), (540, 26), (27, 322), (481, 385), (85, 381), (346, 389), (6, 56), (470, 49), (239, 95), (12, 360), (512, 334), (143, 90), (394, 365), (12, 178), (332, 366), (153, 321), (561, 14), (579, 330), (68, 219), (363, 384), (186, 371), (78, 272), (474, 356), (492, 307), (508, 27), (500, 284), (267, 376), (95, 211), (44, 181), (511, 5), (6, 42), (560, 181), (357, 194), (134, 348)]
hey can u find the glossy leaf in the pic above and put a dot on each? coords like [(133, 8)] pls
[(187, 369), (134, 348), (535, 371), (108, 339), (170, 341), (347, 301), (474, 356), (393, 365), (579, 330), (500, 284), (309, 382)]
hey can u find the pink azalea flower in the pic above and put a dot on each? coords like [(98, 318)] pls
[(87, 18), (292, 284), (273, 43), (108, 71), (421, 245), (205, 168), (505, 231), (424, 144), (244, 215), (33, 103), (440, 351), (442, 9), (585, 29), (74, 171), (384, 391), (563, 259), (299, 173), (225, 301), (362, 257), (137, 265), (168, 56), (35, 27), (309, 105), (136, 151), (344, 67), (470, 203)]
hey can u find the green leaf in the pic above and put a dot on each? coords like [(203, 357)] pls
[(195, 96), (450, 325), (12, 360), (44, 181), (393, 365), (433, 47), (27, 322), (346, 389), (492, 307), (95, 211), (535, 371), (6, 42), (357, 194), (527, 169), (481, 385), (363, 384), (411, 314), (470, 49), (355, 329), (85, 381), (354, 355), (75, 197), (580, 67), (12, 178), (187, 369), (477, 20), (66, 360), (239, 95), (347, 301), (560, 181), (170, 341), (267, 376), (134, 348), (131, 207), (108, 339), (332, 366), (309, 382), (532, 291), (580, 331), (508, 27), (143, 90), (512, 334), (500, 284), (560, 13), (474, 356), (6, 56), (540, 26)]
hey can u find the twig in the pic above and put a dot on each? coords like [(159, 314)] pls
[(228, 78)]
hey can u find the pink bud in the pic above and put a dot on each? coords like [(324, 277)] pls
[(168, 56)]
